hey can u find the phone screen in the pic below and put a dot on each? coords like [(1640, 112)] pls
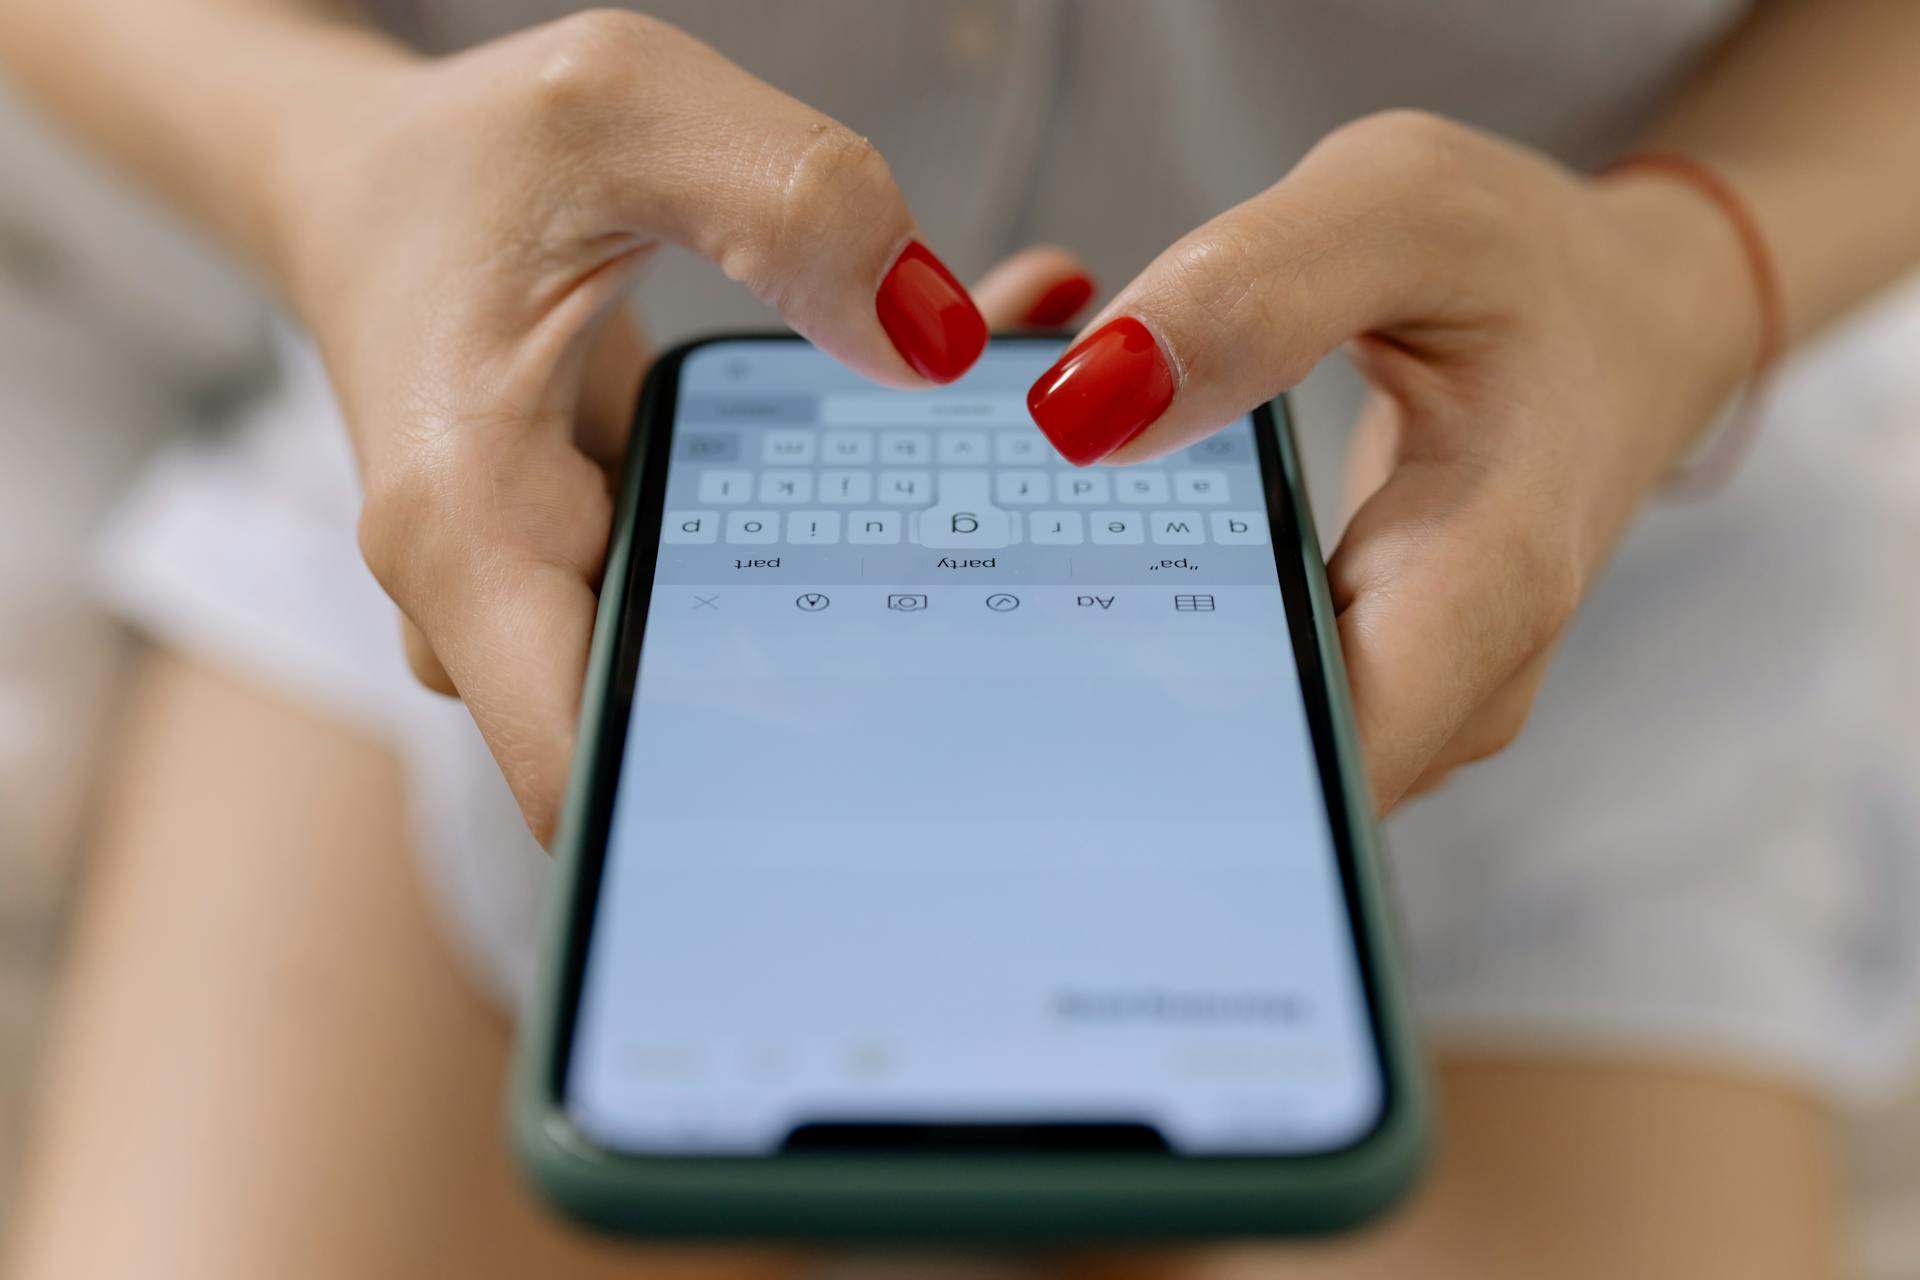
[(960, 791)]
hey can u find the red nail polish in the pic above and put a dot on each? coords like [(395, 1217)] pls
[(933, 323), (1061, 302), (1103, 392)]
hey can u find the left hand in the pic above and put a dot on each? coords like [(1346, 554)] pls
[(1040, 287), (1541, 346)]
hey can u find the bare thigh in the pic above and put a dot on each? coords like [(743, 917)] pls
[(1568, 1169), (266, 1064)]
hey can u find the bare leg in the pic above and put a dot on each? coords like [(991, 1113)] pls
[(266, 1064), (1566, 1169)]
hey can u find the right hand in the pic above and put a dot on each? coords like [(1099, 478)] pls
[(460, 242)]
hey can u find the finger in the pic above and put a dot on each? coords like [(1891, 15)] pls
[(796, 206), (617, 359), (605, 381), (1443, 594), (1488, 731), (1372, 450), (1497, 722), (1426, 784), (1372, 456), (1360, 236), (521, 675), (423, 661), (492, 552), (487, 524), (1042, 287)]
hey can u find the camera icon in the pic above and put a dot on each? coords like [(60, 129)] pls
[(907, 603)]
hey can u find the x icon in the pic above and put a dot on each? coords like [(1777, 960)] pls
[(705, 602)]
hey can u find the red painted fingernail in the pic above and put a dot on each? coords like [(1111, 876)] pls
[(1103, 392), (1061, 302), (933, 323)]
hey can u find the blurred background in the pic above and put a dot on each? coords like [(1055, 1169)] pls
[(118, 333)]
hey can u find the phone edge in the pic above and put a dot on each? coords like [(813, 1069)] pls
[(608, 1193)]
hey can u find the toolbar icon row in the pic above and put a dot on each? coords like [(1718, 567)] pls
[(999, 602)]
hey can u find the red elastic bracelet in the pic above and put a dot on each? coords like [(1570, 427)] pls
[(1716, 461)]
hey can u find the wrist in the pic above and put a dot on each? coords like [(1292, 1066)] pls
[(313, 140), (1695, 291)]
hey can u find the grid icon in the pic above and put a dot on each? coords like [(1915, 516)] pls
[(1193, 604)]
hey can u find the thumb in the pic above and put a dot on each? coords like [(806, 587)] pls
[(1352, 241), (794, 205)]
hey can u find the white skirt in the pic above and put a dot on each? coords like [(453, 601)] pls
[(1706, 844)]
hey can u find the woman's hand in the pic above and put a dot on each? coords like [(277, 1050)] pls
[(460, 245), (1541, 346)]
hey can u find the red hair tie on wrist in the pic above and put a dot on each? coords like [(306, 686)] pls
[(1715, 463)]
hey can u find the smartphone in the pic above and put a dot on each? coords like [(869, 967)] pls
[(961, 845)]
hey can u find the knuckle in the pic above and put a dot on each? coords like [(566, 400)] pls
[(420, 507), (1214, 271), (1549, 583), (1420, 161), (1493, 734), (397, 508), (1492, 728), (587, 56), (1228, 280), (1417, 148), (834, 178), (427, 669), (1402, 132), (1509, 722)]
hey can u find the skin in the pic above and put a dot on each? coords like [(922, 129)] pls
[(1541, 346)]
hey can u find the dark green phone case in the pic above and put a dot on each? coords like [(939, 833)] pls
[(1029, 1198)]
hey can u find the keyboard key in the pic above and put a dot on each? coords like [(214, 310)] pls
[(1228, 446), (787, 448), (1240, 528), (753, 526), (1054, 528), (710, 447), (1082, 486), (1021, 488), (726, 486), (964, 518), (846, 486), (905, 448), (1117, 528), (1199, 486), (871, 528), (1177, 528), (1020, 446), (846, 448), (813, 528), (1133, 485), (786, 486), (962, 448), (905, 488), (690, 526)]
